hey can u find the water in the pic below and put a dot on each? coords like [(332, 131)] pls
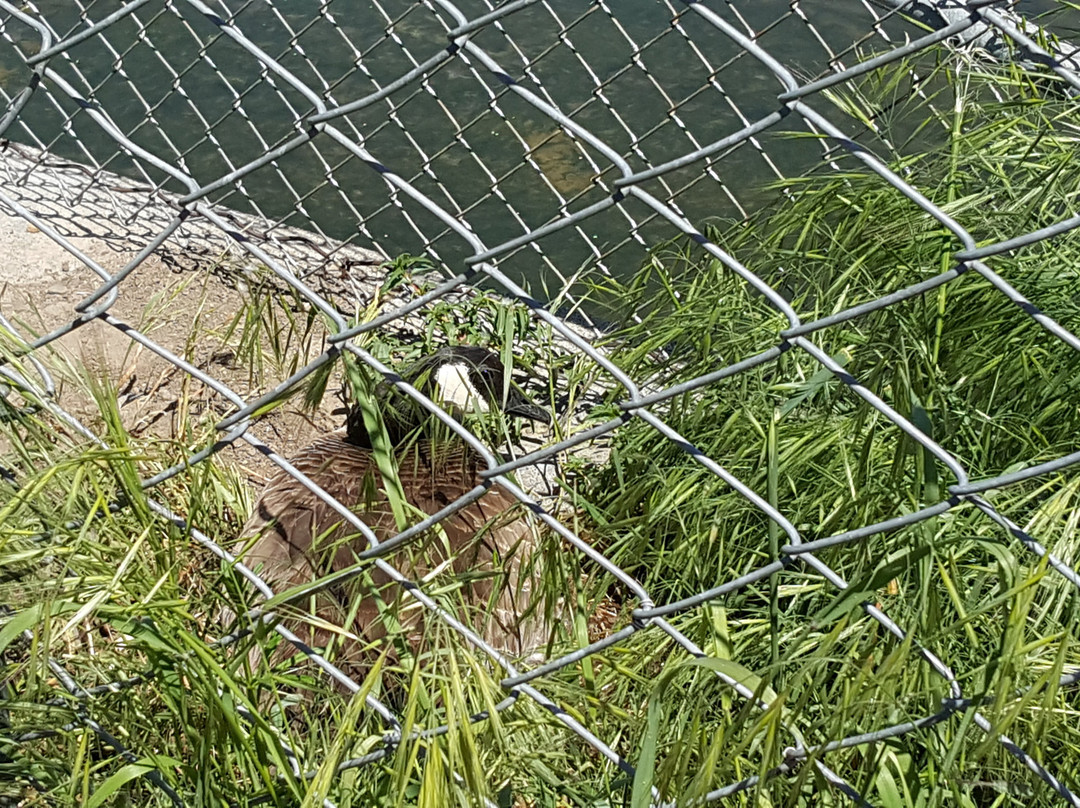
[(179, 88)]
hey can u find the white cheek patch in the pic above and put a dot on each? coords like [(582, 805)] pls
[(453, 386)]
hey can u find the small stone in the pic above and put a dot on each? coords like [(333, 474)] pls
[(31, 229)]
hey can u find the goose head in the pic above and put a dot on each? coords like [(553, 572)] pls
[(461, 379), (472, 379)]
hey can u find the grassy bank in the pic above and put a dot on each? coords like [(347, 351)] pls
[(102, 594), (971, 369)]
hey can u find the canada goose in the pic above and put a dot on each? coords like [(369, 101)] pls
[(293, 537)]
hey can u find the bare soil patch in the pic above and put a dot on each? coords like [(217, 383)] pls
[(190, 314)]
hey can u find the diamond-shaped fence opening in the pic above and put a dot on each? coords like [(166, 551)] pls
[(280, 153)]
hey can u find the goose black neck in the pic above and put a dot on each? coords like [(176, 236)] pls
[(403, 416), (400, 414)]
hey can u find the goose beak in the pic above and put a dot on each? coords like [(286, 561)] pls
[(520, 407)]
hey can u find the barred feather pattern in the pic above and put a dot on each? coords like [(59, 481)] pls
[(293, 537)]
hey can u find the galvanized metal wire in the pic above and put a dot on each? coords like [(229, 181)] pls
[(469, 67)]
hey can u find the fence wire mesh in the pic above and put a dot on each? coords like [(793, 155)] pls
[(526, 139)]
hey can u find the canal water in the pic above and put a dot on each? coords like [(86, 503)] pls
[(650, 85)]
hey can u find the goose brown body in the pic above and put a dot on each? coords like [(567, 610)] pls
[(294, 537)]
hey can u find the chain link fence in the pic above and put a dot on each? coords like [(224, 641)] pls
[(514, 144)]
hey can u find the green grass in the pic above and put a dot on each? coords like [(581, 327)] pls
[(967, 366), (111, 593)]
